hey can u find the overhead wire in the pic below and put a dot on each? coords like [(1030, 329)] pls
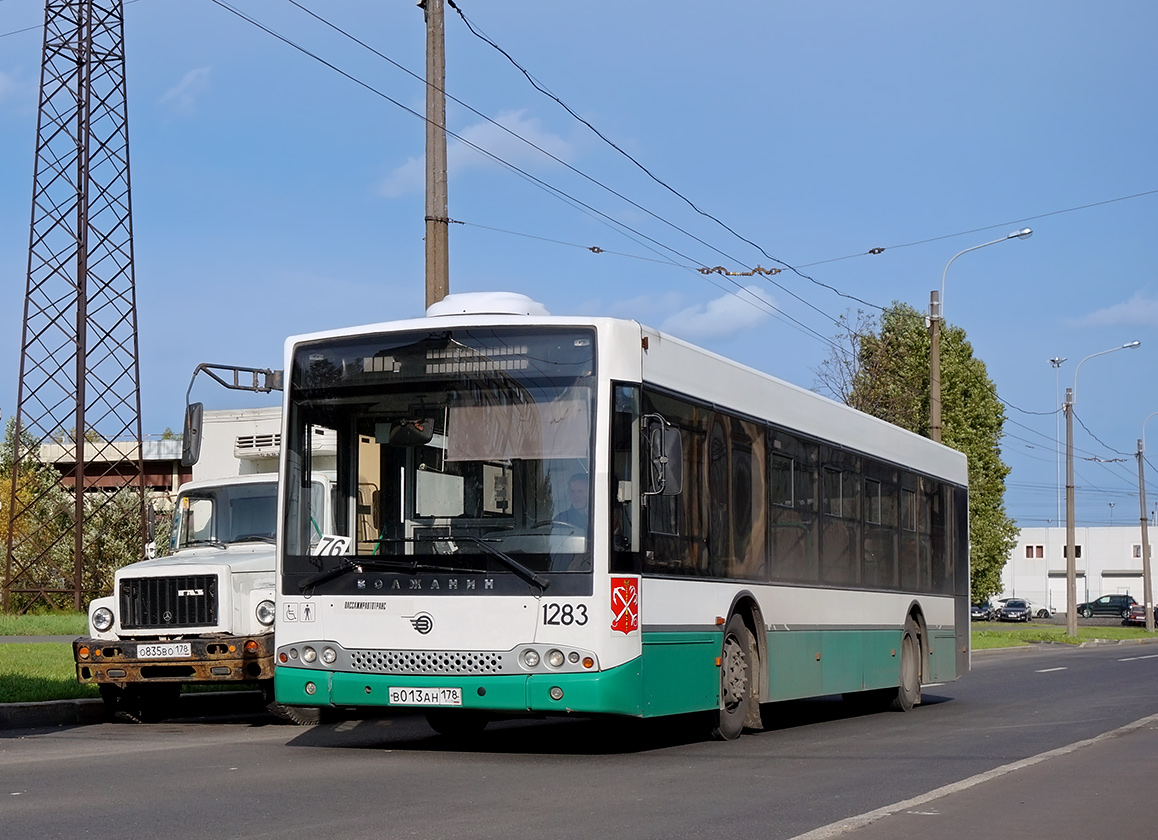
[(621, 227), (703, 269), (538, 86), (756, 300)]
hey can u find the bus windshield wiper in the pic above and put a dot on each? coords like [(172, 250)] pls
[(508, 561)]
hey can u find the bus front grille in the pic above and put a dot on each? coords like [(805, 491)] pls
[(428, 662)]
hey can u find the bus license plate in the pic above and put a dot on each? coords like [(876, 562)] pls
[(168, 650), (425, 696)]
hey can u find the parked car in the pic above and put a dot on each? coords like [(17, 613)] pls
[(1015, 609), (981, 612), (1137, 614), (1040, 610), (1118, 605)]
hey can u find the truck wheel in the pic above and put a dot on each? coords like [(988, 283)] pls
[(299, 715), (141, 703)]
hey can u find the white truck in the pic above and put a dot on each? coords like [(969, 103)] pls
[(203, 614)]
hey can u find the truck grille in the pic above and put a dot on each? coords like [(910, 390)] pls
[(163, 602)]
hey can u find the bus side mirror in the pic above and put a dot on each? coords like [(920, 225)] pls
[(666, 453), (191, 434)]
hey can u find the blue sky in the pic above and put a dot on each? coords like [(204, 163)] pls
[(273, 196)]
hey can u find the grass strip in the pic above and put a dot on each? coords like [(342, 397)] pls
[(39, 671), (47, 624), (987, 639)]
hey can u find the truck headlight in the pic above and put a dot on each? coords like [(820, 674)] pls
[(102, 619), (265, 613)]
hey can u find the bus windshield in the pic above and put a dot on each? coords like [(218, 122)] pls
[(460, 453)]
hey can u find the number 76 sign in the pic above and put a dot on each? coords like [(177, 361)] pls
[(625, 604)]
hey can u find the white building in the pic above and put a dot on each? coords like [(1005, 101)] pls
[(1108, 561)]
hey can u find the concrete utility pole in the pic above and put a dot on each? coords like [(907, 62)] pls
[(935, 365), (1071, 561), (437, 214), (1147, 587), (1057, 362)]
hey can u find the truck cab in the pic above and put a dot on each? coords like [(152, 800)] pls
[(204, 612)]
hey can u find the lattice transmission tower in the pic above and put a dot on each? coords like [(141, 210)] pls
[(76, 496)]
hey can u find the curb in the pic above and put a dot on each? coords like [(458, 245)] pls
[(87, 711), (80, 712)]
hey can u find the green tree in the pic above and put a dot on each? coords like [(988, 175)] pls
[(42, 516), (883, 369)]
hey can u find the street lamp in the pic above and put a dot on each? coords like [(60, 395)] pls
[(936, 302), (1147, 586), (1071, 561)]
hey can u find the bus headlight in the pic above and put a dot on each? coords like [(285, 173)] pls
[(309, 654), (265, 612), (530, 658), (555, 658), (102, 619), (329, 655)]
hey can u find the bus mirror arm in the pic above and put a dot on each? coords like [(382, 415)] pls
[(664, 444), (262, 381)]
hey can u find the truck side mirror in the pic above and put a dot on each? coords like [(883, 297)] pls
[(191, 435)]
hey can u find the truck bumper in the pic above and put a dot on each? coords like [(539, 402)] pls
[(213, 659)]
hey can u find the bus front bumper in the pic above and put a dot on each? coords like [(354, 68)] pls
[(613, 691)]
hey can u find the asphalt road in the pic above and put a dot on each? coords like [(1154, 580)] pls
[(816, 771)]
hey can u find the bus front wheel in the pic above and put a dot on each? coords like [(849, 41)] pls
[(735, 680)]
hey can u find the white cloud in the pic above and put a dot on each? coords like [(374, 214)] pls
[(504, 144), (7, 85), (17, 90), (1139, 311), (726, 315), (183, 96)]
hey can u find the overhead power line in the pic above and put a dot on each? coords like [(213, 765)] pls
[(763, 304)]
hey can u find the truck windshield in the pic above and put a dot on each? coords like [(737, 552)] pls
[(227, 513), (462, 452)]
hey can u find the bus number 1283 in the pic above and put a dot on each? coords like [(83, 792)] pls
[(565, 614)]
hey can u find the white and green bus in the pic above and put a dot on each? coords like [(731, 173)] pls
[(546, 515)]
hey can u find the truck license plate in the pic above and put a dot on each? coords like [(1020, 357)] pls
[(166, 650), (425, 696)]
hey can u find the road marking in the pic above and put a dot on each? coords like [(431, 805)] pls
[(1050, 670), (843, 826), (1136, 658)]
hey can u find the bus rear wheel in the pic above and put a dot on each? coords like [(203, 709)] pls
[(735, 681), (908, 693)]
